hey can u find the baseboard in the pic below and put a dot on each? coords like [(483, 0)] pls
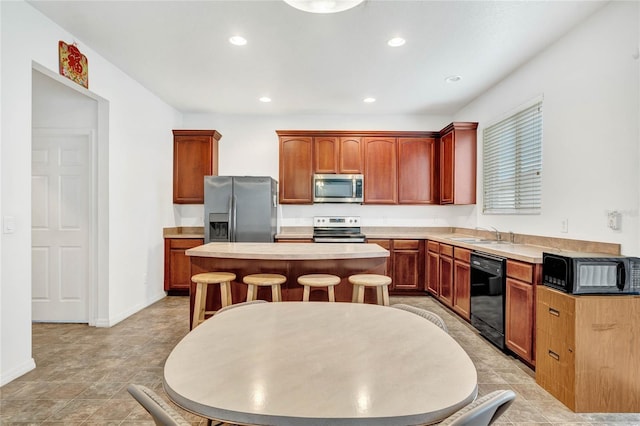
[(14, 373), (110, 322)]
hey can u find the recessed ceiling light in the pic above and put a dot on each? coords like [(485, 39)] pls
[(396, 42), (238, 40), (453, 79), (369, 100), (323, 6), (265, 99)]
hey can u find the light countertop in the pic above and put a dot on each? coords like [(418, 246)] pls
[(289, 251), (525, 248), (183, 232)]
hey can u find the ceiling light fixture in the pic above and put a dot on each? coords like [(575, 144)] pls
[(453, 79), (238, 40), (396, 42), (323, 6), (369, 100), (265, 99)]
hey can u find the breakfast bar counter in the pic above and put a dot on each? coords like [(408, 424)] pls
[(289, 259)]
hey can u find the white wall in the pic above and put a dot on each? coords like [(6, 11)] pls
[(590, 82), (140, 180), (249, 146)]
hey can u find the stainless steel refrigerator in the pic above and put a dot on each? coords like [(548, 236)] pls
[(240, 208)]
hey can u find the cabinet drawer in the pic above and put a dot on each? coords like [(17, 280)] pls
[(433, 246), (446, 250), (520, 271), (406, 244), (462, 254), (555, 368), (185, 243), (555, 322)]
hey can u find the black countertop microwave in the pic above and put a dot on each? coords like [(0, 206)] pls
[(580, 273)]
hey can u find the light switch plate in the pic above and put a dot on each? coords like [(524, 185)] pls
[(8, 225), (564, 225)]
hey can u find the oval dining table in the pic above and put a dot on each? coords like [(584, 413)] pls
[(320, 363)]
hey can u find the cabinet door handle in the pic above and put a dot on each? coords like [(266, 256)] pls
[(554, 312), (554, 355)]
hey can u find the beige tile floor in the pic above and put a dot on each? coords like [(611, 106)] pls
[(82, 372)]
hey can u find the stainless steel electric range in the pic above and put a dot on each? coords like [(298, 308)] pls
[(337, 229)]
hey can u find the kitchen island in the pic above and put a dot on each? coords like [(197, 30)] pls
[(290, 260)]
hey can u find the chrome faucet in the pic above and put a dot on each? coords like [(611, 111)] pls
[(498, 236)]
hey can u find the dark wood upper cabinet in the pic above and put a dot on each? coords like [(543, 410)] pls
[(350, 158), (380, 170), (458, 163), (399, 167), (296, 169), (333, 154), (195, 155), (417, 176), (326, 152)]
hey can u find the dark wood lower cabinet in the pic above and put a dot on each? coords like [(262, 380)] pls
[(177, 267), (408, 268), (519, 318), (446, 274), (462, 282), (522, 280), (405, 265), (432, 268)]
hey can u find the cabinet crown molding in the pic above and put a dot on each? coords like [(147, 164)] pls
[(364, 133), (185, 132), (459, 125)]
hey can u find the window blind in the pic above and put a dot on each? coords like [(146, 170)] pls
[(512, 164)]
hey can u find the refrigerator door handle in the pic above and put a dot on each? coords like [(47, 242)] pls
[(234, 210)]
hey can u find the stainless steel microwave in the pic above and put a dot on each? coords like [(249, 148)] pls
[(338, 188), (579, 273)]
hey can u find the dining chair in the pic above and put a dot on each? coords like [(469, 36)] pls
[(237, 305), (162, 413), (483, 411), (424, 314)]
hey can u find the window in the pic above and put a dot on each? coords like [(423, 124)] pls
[(512, 159)]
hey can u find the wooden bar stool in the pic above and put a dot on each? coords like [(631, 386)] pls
[(319, 280), (381, 282), (202, 283), (262, 280)]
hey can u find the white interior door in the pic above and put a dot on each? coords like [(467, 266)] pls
[(60, 194)]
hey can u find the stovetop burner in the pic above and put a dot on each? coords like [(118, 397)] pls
[(337, 229)]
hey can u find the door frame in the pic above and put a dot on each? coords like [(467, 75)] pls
[(98, 288)]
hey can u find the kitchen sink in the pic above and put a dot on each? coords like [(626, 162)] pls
[(483, 241), (470, 240)]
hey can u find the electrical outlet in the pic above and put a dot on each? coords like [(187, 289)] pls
[(564, 225), (613, 220)]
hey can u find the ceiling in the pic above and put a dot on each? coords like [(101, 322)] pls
[(316, 64)]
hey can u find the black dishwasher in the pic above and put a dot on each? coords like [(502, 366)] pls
[(487, 296)]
